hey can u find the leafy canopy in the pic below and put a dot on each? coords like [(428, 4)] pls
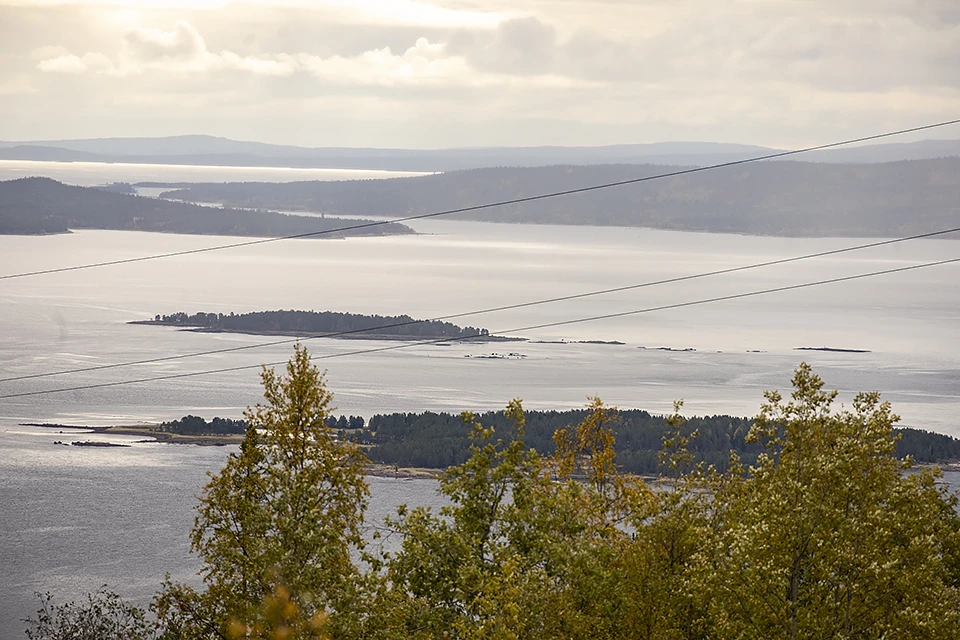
[(826, 535), (280, 520)]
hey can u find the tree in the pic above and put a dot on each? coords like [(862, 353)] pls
[(104, 616), (456, 573), (531, 547), (829, 535), (278, 523)]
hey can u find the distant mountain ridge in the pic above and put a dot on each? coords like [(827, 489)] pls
[(216, 151)]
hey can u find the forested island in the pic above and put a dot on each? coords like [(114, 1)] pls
[(319, 323), (440, 440), (43, 206), (773, 198)]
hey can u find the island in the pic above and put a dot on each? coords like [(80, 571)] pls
[(832, 350), (34, 206), (323, 324), (96, 443)]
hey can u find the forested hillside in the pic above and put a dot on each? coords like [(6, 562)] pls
[(771, 198), (42, 205)]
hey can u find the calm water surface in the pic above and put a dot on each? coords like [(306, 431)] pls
[(909, 322), (94, 173)]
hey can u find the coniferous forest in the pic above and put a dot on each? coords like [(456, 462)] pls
[(440, 440)]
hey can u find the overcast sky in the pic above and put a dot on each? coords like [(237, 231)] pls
[(447, 73)]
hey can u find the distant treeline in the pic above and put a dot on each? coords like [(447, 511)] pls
[(772, 198), (440, 440), (196, 426), (319, 322), (42, 205)]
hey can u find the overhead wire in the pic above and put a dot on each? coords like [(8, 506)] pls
[(543, 196), (488, 310), (560, 323)]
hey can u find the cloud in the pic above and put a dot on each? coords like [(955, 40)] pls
[(282, 65), (184, 51), (62, 64), (383, 72), (528, 46), (519, 45), (183, 42), (424, 63)]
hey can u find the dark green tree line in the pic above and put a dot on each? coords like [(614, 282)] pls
[(320, 322)]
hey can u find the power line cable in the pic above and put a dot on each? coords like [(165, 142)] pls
[(560, 323), (509, 307), (544, 196)]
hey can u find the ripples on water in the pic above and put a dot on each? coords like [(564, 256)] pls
[(76, 518)]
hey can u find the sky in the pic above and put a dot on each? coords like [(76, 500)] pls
[(456, 73)]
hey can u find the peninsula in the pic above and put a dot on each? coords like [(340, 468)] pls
[(785, 198), (34, 206)]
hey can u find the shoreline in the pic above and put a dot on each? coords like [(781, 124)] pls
[(438, 340), (375, 469), (447, 342), (150, 431)]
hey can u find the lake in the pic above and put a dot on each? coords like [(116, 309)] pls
[(75, 518), (909, 322)]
